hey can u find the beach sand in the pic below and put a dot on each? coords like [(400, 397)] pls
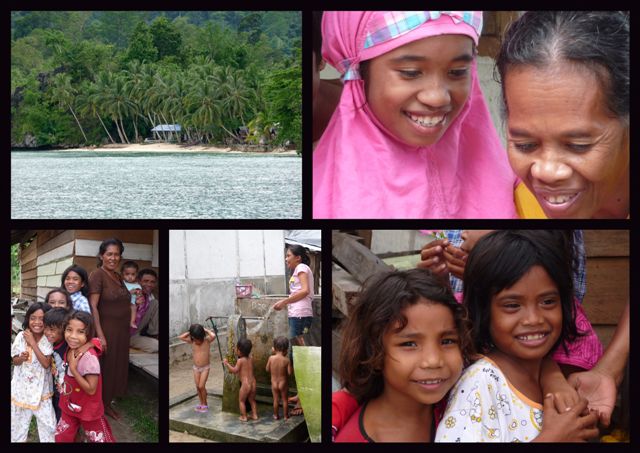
[(176, 148)]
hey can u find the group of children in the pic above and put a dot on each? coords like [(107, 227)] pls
[(278, 365), (56, 375), (418, 365)]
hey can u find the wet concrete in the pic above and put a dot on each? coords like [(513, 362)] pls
[(225, 426)]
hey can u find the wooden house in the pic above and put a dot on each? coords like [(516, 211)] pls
[(45, 254)]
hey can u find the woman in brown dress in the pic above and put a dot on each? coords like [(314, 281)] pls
[(110, 304)]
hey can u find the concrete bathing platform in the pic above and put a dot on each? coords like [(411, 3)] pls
[(225, 426)]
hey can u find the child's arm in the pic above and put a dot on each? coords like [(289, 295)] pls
[(289, 368), (231, 368), (93, 343), (20, 358), (185, 337), (268, 364), (89, 382), (45, 360), (210, 335), (567, 426), (553, 381)]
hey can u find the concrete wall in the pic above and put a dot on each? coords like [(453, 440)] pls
[(205, 263)]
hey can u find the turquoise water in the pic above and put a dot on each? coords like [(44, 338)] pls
[(90, 185)]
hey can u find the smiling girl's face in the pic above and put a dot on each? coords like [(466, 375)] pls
[(75, 334), (526, 319), (417, 90), (423, 360), (58, 300), (36, 322), (73, 282)]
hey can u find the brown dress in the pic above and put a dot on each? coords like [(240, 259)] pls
[(115, 314)]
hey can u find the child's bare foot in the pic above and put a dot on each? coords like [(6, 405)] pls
[(254, 417), (111, 412), (242, 419), (276, 417)]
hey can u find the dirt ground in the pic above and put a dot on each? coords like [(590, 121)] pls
[(181, 381)]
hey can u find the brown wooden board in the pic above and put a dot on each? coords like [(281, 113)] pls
[(606, 243), (134, 236), (345, 289), (607, 289), (358, 260), (63, 237)]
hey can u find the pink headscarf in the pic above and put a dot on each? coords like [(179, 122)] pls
[(360, 170)]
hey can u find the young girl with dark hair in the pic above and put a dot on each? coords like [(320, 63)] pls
[(299, 303), (81, 396), (403, 348), (76, 282), (519, 292), (31, 383)]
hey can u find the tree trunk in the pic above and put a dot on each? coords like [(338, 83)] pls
[(123, 131), (115, 120), (105, 128), (79, 125)]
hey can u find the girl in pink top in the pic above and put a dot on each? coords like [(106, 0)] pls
[(411, 136), (299, 303)]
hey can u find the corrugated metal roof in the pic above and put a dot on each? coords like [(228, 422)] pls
[(167, 128)]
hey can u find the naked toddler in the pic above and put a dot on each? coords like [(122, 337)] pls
[(200, 340), (279, 366), (244, 370)]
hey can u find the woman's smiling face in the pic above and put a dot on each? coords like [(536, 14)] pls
[(564, 144), (417, 90)]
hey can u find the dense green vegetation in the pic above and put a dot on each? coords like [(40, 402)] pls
[(82, 77)]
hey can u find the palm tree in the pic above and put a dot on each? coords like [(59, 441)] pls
[(64, 95), (88, 104), (235, 96)]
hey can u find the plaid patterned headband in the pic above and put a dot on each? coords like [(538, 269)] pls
[(393, 24)]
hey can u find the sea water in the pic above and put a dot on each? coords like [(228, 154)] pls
[(148, 185)]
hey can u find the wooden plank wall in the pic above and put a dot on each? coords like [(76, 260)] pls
[(607, 279), (28, 271)]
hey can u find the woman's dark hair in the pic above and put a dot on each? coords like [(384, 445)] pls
[(105, 244), (31, 310), (60, 290), (596, 40), (196, 331), (501, 258), (379, 309), (86, 319), (83, 275), (317, 35), (300, 251), (244, 346)]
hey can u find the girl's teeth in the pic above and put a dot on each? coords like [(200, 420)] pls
[(532, 337), (426, 121), (559, 199)]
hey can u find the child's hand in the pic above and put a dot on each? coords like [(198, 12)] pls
[(279, 305), (21, 358), (569, 426), (133, 325), (432, 257), (73, 360), (28, 337), (225, 361), (599, 389)]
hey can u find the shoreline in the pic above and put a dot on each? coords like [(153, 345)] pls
[(170, 148)]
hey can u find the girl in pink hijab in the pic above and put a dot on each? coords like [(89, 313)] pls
[(411, 136)]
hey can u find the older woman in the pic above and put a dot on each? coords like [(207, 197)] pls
[(110, 305), (565, 83)]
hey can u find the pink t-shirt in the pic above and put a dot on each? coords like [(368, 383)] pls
[(303, 307), (88, 364)]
